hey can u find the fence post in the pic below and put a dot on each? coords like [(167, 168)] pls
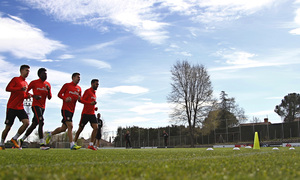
[(121, 137), (215, 134), (170, 137), (282, 136), (139, 137), (180, 136), (240, 132), (158, 136), (268, 131), (226, 131)]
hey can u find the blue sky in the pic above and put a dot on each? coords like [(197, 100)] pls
[(251, 50)]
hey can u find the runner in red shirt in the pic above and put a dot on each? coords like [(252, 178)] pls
[(18, 92), (88, 112), (70, 93), (41, 90)]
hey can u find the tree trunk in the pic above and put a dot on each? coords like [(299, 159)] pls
[(192, 134)]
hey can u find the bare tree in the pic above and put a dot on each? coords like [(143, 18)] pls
[(191, 95)]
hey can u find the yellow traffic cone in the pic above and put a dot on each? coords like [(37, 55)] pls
[(256, 141)]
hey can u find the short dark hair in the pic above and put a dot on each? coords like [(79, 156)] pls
[(40, 71), (94, 80), (24, 66), (75, 74)]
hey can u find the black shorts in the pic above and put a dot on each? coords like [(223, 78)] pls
[(98, 136), (38, 113), (12, 113), (85, 118), (67, 116)]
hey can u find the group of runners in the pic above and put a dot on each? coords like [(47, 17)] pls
[(70, 93)]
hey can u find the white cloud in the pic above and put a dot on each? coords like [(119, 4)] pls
[(296, 31), (99, 46), (23, 40), (223, 10), (49, 60), (58, 77), (235, 59), (131, 120), (142, 17), (123, 89), (7, 71), (98, 64), (239, 58), (174, 46), (262, 113), (134, 16), (66, 56), (184, 53), (134, 79), (151, 108)]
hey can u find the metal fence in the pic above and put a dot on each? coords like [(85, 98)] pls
[(289, 131)]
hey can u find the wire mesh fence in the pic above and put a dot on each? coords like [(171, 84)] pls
[(179, 135)]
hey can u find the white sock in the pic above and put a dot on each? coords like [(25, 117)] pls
[(2, 141), (72, 143), (91, 143), (24, 137), (42, 141), (16, 136)]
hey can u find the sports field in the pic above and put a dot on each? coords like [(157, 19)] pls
[(173, 163)]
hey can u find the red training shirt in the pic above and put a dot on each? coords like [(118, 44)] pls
[(39, 88), (89, 96), (69, 90), (17, 94)]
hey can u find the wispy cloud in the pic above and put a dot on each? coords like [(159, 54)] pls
[(97, 63), (66, 56), (184, 53), (49, 60), (226, 10), (7, 70), (124, 89), (142, 18), (133, 16), (235, 59), (23, 40), (262, 113), (296, 31), (134, 79), (99, 46), (132, 120), (151, 108)]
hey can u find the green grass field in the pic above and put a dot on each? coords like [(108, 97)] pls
[(173, 163)]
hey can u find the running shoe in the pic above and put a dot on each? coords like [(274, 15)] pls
[(21, 141), (92, 148), (75, 147), (48, 138), (15, 142), (43, 147), (2, 147)]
